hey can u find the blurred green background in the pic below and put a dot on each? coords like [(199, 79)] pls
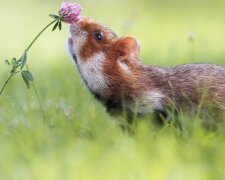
[(76, 139)]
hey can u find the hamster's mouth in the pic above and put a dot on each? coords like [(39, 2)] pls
[(71, 51)]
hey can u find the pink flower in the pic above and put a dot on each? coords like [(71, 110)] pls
[(70, 12)]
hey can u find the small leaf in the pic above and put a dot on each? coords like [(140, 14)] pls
[(14, 62), (54, 16), (23, 59), (27, 75), (26, 81), (60, 25), (55, 26), (7, 62)]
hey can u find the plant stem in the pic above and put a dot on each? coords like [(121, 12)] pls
[(7, 80), (38, 98), (39, 34), (40, 103)]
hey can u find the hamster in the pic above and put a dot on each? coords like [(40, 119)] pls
[(111, 69)]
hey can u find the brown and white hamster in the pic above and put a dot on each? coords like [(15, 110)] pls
[(112, 71)]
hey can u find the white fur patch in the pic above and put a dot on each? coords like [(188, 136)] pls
[(91, 71), (147, 102)]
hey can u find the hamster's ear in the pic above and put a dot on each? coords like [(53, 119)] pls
[(127, 47)]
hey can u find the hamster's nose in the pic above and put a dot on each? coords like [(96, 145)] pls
[(74, 28)]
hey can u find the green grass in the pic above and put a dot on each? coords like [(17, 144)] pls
[(77, 139)]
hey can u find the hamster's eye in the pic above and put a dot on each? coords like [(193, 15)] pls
[(98, 35)]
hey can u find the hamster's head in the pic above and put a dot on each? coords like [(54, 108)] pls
[(93, 47), (89, 38)]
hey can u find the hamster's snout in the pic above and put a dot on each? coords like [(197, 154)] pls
[(74, 29)]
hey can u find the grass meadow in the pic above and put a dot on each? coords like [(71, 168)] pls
[(75, 138)]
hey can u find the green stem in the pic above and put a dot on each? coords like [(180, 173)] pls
[(7, 80), (38, 98), (40, 34), (40, 103)]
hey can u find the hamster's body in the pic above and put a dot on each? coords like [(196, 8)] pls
[(114, 75)]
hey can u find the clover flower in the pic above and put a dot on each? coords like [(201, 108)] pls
[(69, 12)]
